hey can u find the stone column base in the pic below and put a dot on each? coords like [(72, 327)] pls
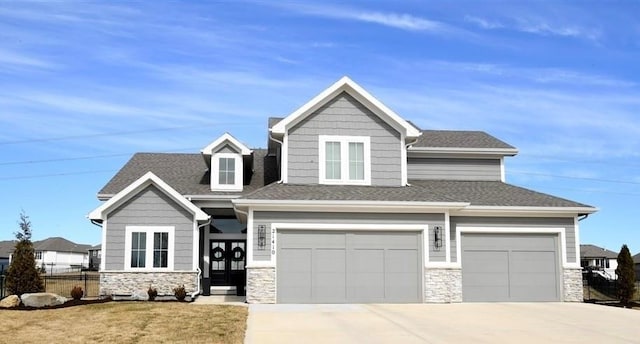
[(442, 285), (261, 285), (572, 285)]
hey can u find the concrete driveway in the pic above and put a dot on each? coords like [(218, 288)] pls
[(443, 323)]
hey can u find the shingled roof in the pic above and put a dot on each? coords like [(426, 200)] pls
[(593, 251), (60, 245), (459, 139), (477, 193), (187, 173)]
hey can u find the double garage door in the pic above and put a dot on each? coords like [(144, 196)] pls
[(508, 267), (348, 267)]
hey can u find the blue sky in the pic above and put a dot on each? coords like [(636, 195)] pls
[(84, 85)]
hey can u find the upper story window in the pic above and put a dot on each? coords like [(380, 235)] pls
[(38, 255), (226, 172), (149, 247), (345, 160)]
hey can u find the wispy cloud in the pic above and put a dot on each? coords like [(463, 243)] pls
[(536, 26), (11, 59), (401, 21), (483, 23)]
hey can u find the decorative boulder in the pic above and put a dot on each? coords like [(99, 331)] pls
[(39, 300), (140, 295), (10, 301)]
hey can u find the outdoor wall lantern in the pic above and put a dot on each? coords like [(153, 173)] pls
[(262, 237), (437, 237)]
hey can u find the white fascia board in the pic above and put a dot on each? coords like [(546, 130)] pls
[(226, 137), (347, 85), (134, 188), (348, 206), (469, 151), (523, 211), (212, 197)]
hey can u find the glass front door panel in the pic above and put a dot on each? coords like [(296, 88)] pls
[(227, 259)]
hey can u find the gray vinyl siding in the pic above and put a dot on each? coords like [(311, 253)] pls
[(525, 222), (453, 169), (226, 149), (344, 116), (267, 218), (150, 207)]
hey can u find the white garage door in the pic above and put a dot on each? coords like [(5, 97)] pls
[(348, 267), (510, 267)]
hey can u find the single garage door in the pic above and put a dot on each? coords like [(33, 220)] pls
[(348, 267), (510, 267)]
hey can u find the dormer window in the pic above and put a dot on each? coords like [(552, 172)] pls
[(226, 172), (344, 160), (224, 157)]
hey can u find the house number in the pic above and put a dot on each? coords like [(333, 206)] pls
[(273, 241)]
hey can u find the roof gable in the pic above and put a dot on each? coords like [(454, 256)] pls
[(345, 84), (225, 139), (136, 187)]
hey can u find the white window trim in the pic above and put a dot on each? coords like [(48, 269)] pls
[(149, 247), (215, 170), (344, 158)]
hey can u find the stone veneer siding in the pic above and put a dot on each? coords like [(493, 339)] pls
[(442, 285), (572, 285), (125, 283), (261, 285)]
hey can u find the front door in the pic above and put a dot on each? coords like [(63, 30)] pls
[(227, 262)]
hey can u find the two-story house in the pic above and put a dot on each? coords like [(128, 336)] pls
[(348, 203)]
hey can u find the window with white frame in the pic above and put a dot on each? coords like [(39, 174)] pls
[(38, 254), (149, 247), (226, 172), (344, 160)]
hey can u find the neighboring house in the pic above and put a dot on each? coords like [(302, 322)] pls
[(58, 254), (599, 260), (95, 254), (636, 262), (349, 203), (6, 247)]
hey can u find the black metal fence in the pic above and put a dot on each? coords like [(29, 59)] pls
[(62, 284), (598, 288)]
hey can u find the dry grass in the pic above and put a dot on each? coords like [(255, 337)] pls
[(127, 322)]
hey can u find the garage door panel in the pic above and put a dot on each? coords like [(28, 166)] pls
[(396, 240), (509, 267), (329, 275), (297, 264), (402, 283), (311, 240), (366, 275)]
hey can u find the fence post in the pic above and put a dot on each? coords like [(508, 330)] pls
[(85, 284)]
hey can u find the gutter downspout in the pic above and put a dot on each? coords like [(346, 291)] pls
[(199, 285), (582, 217), (280, 142), (406, 147), (96, 223)]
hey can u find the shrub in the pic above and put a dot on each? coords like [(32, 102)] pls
[(153, 292), (77, 292), (626, 276), (22, 275), (180, 293)]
